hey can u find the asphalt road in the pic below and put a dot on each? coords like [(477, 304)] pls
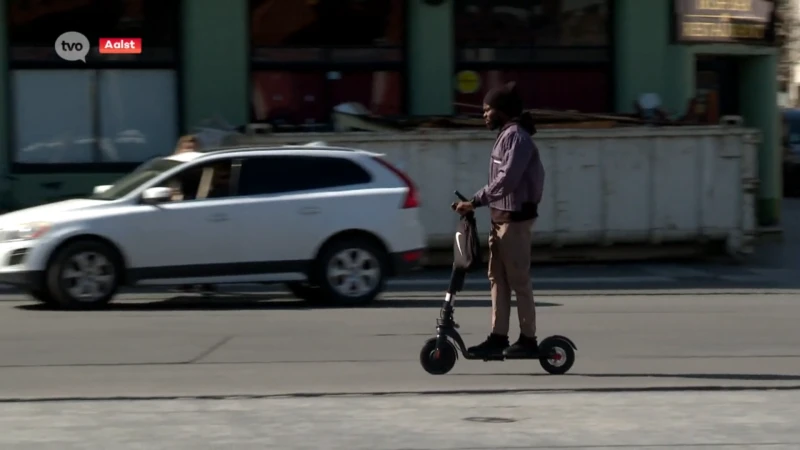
[(258, 370)]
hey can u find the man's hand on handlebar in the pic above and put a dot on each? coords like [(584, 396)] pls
[(464, 207)]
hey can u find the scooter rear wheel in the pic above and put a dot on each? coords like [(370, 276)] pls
[(556, 356), (438, 361)]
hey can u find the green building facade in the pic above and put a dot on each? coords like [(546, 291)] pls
[(436, 56)]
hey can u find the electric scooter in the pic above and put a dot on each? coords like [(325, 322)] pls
[(439, 354)]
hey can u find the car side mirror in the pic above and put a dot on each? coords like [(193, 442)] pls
[(155, 195), (100, 189)]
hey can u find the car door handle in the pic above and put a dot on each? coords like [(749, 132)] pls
[(218, 218), (308, 211)]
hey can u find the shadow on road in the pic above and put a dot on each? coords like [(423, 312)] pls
[(701, 376), (694, 376), (239, 302)]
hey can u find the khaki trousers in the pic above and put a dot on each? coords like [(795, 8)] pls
[(509, 270)]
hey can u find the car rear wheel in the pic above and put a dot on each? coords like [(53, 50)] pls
[(84, 275), (350, 272)]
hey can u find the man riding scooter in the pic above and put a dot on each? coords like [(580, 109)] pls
[(516, 183)]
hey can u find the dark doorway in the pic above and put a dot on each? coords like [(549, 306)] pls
[(720, 74)]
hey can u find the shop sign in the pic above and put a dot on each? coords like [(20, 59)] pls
[(739, 21)]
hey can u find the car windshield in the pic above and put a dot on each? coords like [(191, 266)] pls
[(137, 178)]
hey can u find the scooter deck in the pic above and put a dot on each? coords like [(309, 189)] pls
[(499, 357)]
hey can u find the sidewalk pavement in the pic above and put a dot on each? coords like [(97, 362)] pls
[(649, 420)]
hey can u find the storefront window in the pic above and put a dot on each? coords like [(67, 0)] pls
[(558, 51), (327, 30), (53, 116), (110, 109), (137, 114), (532, 23), (309, 56), (304, 100), (93, 116), (580, 89)]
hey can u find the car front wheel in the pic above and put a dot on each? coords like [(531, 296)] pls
[(84, 275), (42, 296)]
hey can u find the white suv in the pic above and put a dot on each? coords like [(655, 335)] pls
[(331, 223)]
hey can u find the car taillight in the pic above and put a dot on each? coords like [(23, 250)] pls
[(412, 196), (412, 256)]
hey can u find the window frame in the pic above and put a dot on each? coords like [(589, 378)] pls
[(201, 162), (237, 172), (609, 65), (176, 66), (401, 67), (135, 195), (175, 166)]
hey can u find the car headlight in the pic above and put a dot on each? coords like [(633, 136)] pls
[(25, 232)]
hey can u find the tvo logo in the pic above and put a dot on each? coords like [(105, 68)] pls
[(72, 46)]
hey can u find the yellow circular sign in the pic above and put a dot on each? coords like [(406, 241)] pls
[(468, 82)]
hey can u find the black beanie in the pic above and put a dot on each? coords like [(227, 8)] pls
[(505, 99)]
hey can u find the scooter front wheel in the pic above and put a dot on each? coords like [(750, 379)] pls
[(556, 356), (438, 361)]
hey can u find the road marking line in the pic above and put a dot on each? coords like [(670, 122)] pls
[(775, 273), (745, 278), (550, 280), (483, 281), (677, 272)]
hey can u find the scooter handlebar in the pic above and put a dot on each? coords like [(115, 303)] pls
[(460, 197)]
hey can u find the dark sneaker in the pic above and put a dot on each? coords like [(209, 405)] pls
[(525, 347), (207, 289), (492, 346), (184, 288)]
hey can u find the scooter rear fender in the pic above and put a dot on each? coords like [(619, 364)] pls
[(563, 338)]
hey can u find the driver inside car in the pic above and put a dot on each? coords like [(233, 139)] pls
[(220, 185)]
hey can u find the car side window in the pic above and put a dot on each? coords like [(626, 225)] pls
[(206, 181), (281, 173)]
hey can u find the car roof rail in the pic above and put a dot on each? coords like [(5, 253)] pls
[(314, 145)]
